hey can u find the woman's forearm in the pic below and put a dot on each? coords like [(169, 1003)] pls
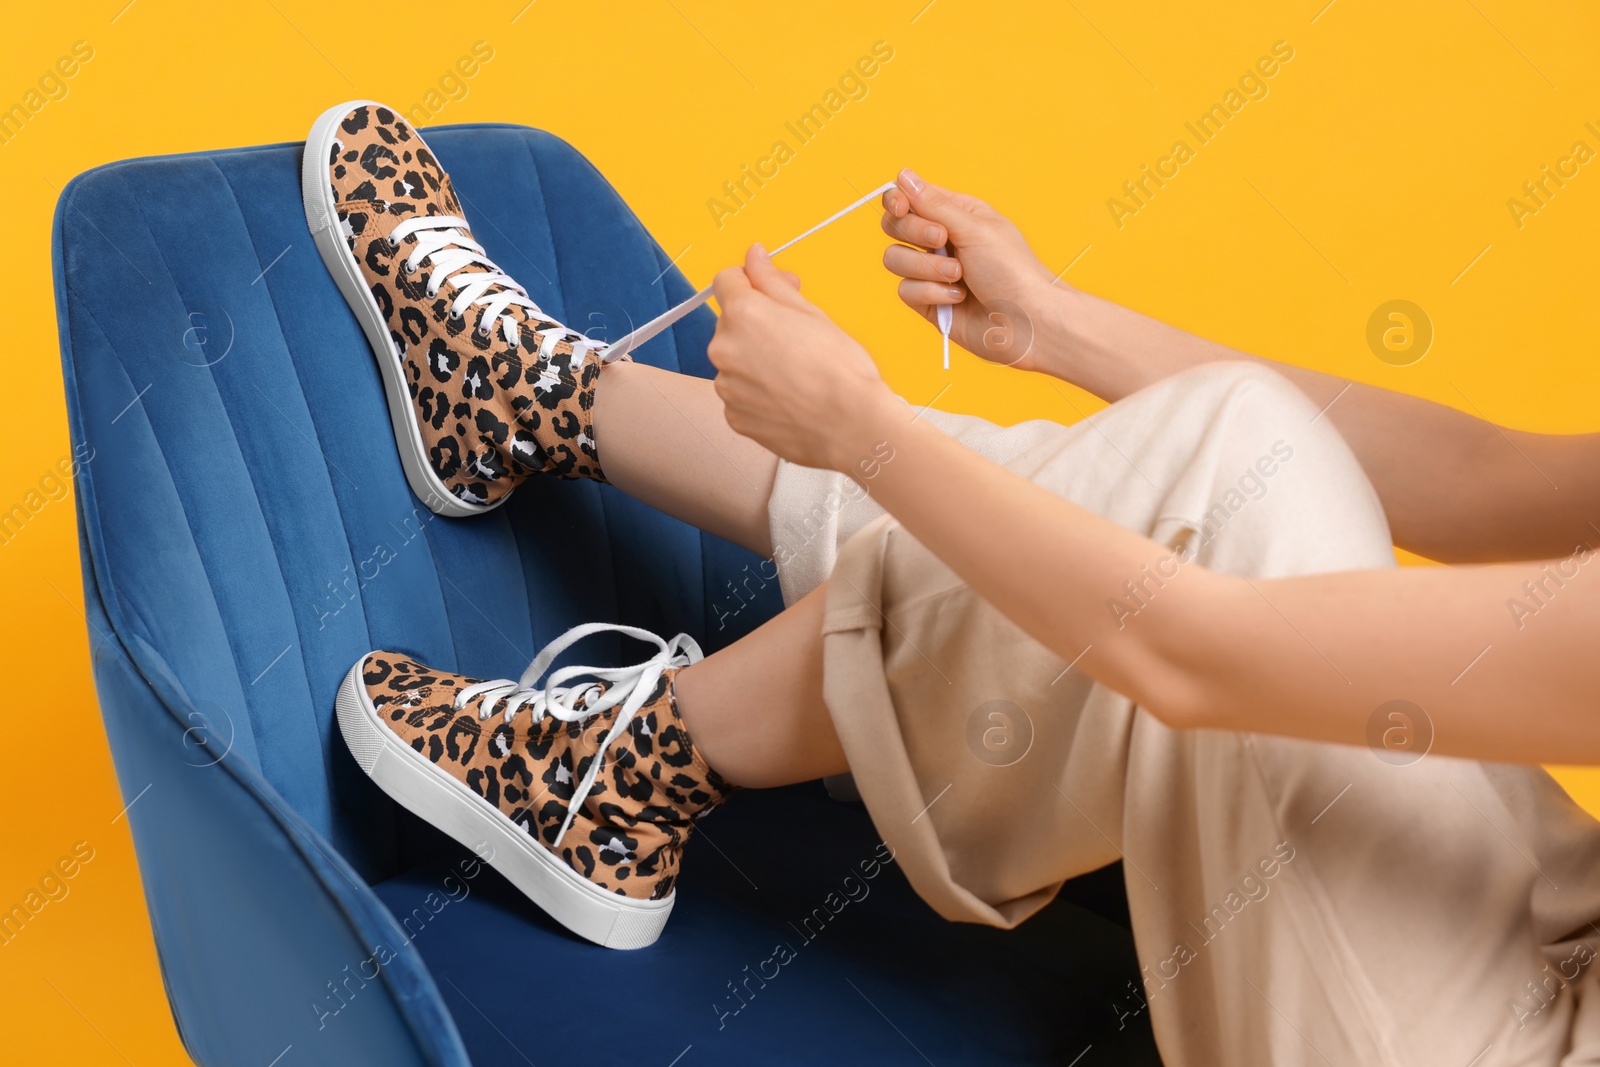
[(1456, 488), (1315, 657), (1110, 350)]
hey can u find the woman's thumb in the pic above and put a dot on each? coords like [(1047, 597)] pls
[(766, 278)]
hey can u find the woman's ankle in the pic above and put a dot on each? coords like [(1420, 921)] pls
[(755, 743)]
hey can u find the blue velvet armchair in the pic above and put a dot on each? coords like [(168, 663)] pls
[(246, 532)]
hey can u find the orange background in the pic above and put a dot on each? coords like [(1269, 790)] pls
[(1377, 167)]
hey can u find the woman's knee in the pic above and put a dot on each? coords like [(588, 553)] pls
[(1220, 407), (1267, 391), (1286, 472), (1190, 401), (1242, 447)]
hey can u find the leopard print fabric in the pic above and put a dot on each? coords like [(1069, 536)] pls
[(629, 832), (491, 412)]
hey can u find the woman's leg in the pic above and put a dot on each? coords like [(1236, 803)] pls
[(755, 709), (664, 440)]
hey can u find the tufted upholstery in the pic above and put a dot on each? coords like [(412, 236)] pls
[(247, 533)]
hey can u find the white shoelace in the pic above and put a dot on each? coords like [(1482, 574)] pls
[(443, 240), (630, 687), (627, 343)]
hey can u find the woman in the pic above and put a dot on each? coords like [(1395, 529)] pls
[(1130, 637)]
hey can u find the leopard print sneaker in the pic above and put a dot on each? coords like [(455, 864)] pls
[(483, 387), (586, 789)]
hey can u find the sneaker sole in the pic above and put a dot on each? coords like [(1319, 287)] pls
[(322, 217), (445, 802)]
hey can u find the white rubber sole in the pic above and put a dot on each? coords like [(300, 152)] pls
[(445, 802), (316, 192)]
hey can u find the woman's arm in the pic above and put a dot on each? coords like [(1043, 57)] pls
[(1312, 657), (1456, 488)]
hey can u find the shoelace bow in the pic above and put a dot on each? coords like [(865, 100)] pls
[(630, 687), (443, 240)]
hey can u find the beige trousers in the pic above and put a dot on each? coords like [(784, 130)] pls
[(1292, 903)]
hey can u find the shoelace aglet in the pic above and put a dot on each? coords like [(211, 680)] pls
[(945, 315)]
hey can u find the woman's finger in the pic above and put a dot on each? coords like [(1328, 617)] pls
[(914, 230), (915, 293), (923, 266), (895, 203)]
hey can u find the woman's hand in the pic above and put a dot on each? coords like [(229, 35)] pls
[(790, 378), (997, 285)]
